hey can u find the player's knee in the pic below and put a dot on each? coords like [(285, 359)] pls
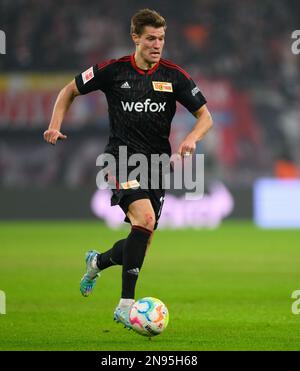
[(147, 220)]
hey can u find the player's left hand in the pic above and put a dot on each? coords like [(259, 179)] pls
[(187, 147)]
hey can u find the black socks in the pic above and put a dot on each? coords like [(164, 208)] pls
[(130, 253), (133, 258), (114, 256)]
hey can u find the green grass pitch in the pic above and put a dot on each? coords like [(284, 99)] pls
[(226, 289)]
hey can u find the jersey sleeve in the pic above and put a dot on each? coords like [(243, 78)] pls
[(97, 77), (188, 94)]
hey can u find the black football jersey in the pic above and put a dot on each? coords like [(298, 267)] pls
[(141, 103)]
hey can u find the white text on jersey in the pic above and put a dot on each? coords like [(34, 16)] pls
[(144, 106)]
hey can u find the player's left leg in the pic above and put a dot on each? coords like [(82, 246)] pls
[(142, 218), (114, 256)]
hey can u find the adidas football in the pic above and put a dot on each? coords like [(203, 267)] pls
[(149, 316)]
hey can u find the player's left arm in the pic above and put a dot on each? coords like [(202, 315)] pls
[(202, 126)]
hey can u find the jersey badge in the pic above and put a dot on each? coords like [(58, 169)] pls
[(87, 75), (162, 86)]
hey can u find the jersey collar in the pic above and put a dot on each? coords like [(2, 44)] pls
[(139, 70)]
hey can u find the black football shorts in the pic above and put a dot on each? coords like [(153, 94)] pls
[(124, 197), (123, 194)]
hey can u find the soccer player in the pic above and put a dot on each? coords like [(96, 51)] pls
[(141, 91)]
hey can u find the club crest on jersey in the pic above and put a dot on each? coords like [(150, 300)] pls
[(87, 75), (162, 86)]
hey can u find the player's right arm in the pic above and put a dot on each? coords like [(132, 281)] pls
[(97, 77), (61, 106)]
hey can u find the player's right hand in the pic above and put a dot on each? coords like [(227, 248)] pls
[(53, 135)]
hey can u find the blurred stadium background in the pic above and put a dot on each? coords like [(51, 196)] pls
[(239, 53)]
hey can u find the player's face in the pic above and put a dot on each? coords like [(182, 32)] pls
[(150, 44)]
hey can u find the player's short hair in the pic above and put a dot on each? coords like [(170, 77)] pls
[(146, 17)]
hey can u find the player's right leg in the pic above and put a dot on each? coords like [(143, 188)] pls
[(89, 279), (97, 262)]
